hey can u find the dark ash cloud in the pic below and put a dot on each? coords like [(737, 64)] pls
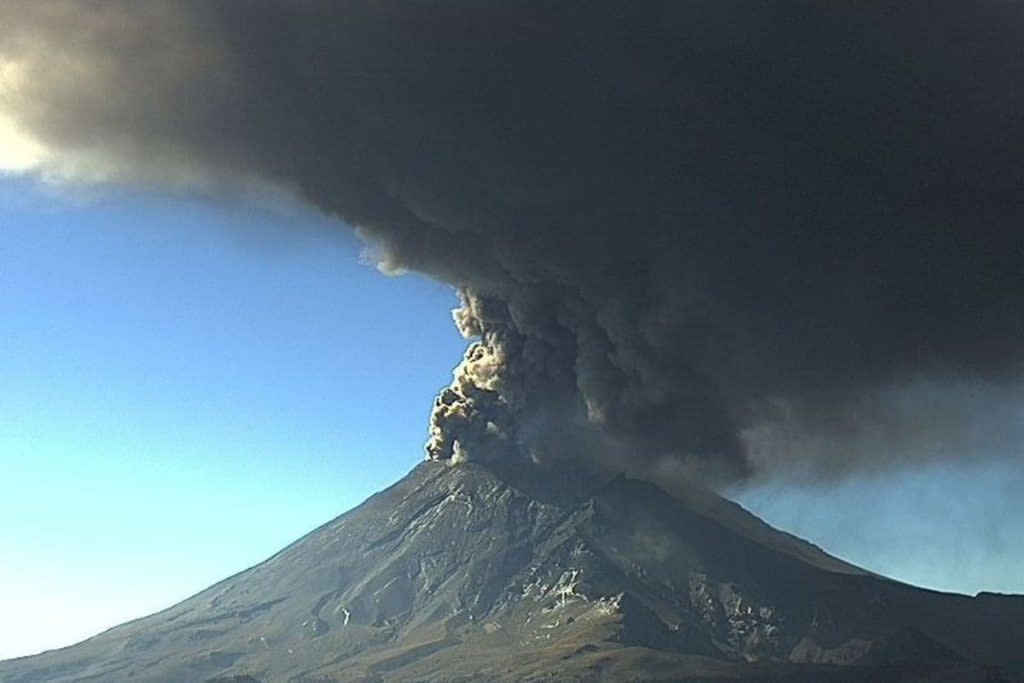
[(679, 227)]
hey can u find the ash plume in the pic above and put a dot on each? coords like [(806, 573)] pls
[(680, 229)]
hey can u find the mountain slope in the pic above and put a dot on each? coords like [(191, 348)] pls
[(453, 574)]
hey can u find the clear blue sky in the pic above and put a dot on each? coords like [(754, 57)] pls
[(187, 385)]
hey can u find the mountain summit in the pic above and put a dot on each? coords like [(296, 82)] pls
[(458, 574)]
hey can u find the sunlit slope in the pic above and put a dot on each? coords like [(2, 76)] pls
[(453, 574)]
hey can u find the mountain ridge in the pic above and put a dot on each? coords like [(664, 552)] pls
[(454, 574)]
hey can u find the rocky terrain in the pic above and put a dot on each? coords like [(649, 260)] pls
[(458, 574)]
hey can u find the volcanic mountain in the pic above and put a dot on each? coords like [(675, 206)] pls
[(457, 573)]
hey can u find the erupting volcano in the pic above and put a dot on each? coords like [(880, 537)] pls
[(697, 244)]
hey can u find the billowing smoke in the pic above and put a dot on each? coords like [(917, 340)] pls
[(562, 378), (714, 236)]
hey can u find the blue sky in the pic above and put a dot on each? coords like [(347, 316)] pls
[(188, 385), (184, 391)]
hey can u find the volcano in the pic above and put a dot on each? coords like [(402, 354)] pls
[(458, 573)]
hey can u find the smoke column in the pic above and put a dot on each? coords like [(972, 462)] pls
[(721, 237)]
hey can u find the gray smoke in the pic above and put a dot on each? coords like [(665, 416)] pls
[(712, 236)]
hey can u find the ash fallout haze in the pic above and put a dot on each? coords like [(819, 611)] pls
[(754, 245)]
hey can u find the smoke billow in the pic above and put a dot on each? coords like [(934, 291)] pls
[(719, 236)]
